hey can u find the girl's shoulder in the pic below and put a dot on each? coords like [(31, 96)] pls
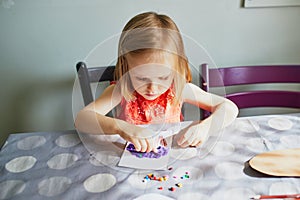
[(190, 88), (110, 88), (112, 91)]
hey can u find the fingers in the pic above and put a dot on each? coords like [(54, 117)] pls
[(136, 144), (185, 144), (190, 139), (143, 140), (152, 145), (147, 141), (196, 144), (163, 142), (139, 145), (182, 140), (145, 145), (186, 139)]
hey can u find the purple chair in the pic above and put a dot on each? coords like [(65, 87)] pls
[(242, 75)]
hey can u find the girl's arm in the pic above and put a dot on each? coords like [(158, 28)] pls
[(92, 120), (223, 113)]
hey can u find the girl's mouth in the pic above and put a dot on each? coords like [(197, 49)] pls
[(151, 94)]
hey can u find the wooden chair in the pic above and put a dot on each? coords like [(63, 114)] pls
[(87, 76), (241, 75)]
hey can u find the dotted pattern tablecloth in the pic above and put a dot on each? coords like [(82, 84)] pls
[(56, 165)]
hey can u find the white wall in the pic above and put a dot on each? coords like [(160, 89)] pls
[(40, 42)]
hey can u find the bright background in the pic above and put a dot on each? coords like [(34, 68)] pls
[(41, 41)]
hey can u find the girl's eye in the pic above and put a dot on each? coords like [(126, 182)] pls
[(164, 78), (141, 79)]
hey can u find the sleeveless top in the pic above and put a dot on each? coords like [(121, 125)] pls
[(163, 109)]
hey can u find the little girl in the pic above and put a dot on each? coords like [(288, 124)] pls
[(152, 82)]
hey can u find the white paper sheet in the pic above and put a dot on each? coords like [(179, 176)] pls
[(129, 160), (166, 131)]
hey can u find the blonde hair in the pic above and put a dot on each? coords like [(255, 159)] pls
[(151, 32)]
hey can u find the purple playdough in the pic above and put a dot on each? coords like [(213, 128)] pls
[(162, 151)]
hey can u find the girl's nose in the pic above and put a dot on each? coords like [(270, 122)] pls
[(152, 86)]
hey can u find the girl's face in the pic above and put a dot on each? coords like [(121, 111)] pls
[(151, 74)]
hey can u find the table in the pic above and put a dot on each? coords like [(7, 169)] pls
[(56, 165)]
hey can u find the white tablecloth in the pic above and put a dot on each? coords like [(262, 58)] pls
[(56, 165)]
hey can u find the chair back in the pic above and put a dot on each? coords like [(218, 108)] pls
[(90, 75), (242, 75)]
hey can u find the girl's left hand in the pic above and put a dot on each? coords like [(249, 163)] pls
[(193, 135)]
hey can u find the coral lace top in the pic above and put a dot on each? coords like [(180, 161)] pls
[(163, 109)]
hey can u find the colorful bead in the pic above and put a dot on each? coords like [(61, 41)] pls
[(178, 184)]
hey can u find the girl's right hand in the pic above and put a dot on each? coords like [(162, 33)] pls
[(144, 140)]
